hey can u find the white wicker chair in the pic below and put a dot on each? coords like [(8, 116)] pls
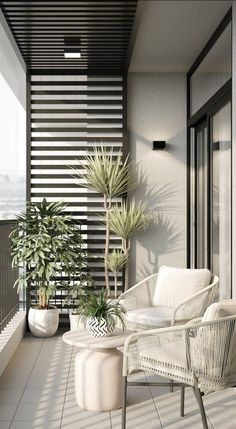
[(140, 297), (201, 355)]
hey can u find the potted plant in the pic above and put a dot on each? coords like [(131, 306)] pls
[(75, 292), (108, 174), (125, 220), (100, 313), (46, 246)]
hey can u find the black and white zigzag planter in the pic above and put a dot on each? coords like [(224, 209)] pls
[(100, 327)]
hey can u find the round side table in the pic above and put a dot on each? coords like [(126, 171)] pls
[(98, 369)]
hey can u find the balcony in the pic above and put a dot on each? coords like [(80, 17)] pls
[(137, 67), (37, 392)]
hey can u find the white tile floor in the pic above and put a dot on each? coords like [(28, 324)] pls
[(36, 392)]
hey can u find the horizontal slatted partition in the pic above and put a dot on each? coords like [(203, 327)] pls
[(102, 27), (70, 115)]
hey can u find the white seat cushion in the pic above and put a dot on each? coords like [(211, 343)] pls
[(151, 316), (220, 309), (175, 285)]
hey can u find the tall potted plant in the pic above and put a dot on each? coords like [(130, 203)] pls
[(125, 221), (46, 245), (107, 173)]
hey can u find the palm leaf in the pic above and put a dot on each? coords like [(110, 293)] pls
[(105, 173), (116, 261), (128, 219)]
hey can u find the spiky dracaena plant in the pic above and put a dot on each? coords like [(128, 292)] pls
[(47, 244), (106, 173), (125, 221), (116, 261)]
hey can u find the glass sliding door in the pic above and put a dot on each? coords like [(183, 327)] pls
[(210, 223), (220, 124), (201, 195)]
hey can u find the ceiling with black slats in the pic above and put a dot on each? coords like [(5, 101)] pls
[(103, 28)]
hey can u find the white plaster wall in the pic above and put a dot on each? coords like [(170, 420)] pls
[(157, 111), (12, 125)]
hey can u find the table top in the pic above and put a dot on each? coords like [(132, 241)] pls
[(84, 339)]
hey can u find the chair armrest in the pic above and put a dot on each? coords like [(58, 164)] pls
[(153, 345), (196, 305), (141, 294), (202, 352)]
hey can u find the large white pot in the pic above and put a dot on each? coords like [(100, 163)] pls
[(43, 322)]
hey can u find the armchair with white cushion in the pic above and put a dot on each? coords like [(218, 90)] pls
[(172, 296), (200, 355)]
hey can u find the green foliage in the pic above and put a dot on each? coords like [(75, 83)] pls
[(116, 261), (105, 173), (47, 244), (101, 307), (128, 219), (76, 290)]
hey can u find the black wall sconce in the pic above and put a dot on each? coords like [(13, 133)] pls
[(158, 145)]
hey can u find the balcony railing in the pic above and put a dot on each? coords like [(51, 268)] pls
[(9, 300)]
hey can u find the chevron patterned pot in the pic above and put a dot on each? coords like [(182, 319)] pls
[(100, 328)]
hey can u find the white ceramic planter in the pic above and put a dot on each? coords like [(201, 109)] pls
[(43, 323), (75, 323)]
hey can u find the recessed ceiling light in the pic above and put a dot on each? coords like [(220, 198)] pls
[(72, 47), (68, 54)]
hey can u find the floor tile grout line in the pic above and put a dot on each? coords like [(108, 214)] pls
[(26, 383), (155, 405), (111, 419), (66, 386)]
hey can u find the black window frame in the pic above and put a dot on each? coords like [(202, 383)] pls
[(215, 103)]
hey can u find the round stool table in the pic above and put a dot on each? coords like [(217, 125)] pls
[(98, 369)]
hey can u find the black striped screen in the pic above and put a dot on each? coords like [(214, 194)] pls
[(70, 115)]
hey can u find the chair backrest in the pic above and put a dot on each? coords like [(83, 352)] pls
[(175, 285), (212, 348)]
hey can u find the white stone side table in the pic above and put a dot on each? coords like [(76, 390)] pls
[(98, 369)]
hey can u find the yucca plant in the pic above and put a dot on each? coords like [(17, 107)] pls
[(47, 244), (125, 221), (106, 173), (116, 261), (99, 306)]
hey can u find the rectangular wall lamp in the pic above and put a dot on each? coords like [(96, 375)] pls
[(159, 145)]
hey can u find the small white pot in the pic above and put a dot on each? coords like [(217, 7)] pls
[(75, 323), (100, 328), (43, 322)]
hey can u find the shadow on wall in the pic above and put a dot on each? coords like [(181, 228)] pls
[(160, 240), (162, 188)]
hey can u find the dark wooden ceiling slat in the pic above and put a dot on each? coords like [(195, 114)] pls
[(103, 26)]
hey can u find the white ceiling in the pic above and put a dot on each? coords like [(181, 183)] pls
[(171, 34)]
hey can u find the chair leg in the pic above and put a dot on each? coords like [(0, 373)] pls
[(182, 399), (201, 407), (171, 386), (123, 424)]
